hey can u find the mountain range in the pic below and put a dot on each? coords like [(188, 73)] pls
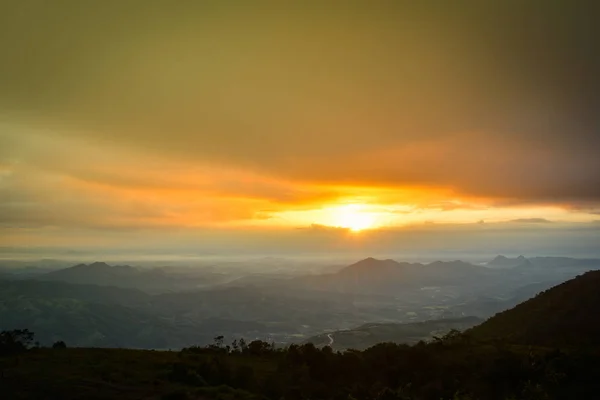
[(101, 305), (152, 280), (388, 277)]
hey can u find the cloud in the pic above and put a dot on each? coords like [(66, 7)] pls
[(426, 241), (319, 228), (154, 121), (56, 181), (491, 100), (531, 221), (50, 180)]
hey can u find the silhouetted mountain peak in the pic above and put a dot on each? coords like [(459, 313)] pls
[(372, 268), (368, 260), (371, 263), (91, 273), (98, 265)]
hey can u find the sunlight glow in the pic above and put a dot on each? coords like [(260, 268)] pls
[(353, 217)]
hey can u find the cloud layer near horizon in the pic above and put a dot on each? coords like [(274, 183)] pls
[(129, 114)]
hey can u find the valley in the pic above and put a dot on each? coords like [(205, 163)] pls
[(101, 305)]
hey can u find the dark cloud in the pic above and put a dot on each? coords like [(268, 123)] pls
[(531, 221), (493, 99)]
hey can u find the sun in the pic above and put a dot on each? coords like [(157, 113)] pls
[(353, 217)]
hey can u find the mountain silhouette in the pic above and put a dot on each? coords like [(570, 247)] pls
[(103, 274), (558, 317), (389, 276), (97, 272)]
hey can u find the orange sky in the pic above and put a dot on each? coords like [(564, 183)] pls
[(64, 181), (370, 117)]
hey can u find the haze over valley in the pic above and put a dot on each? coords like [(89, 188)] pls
[(271, 299)]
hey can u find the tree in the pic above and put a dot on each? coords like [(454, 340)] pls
[(15, 341), (219, 341), (59, 345), (259, 347), (243, 345)]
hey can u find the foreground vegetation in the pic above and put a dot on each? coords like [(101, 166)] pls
[(451, 367)]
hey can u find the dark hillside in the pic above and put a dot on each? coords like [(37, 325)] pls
[(565, 315)]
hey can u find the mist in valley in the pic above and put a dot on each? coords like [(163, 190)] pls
[(183, 301)]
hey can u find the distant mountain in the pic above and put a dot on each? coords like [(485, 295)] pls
[(505, 262), (374, 266), (369, 335), (98, 273), (565, 263), (390, 277), (125, 276), (20, 269), (565, 315), (371, 275), (438, 272), (542, 263)]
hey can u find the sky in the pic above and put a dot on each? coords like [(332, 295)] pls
[(261, 125)]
